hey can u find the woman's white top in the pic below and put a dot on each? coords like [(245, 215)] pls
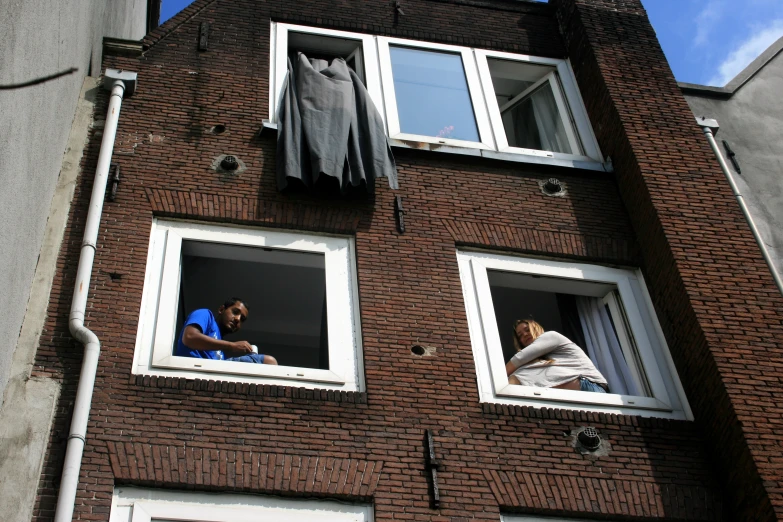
[(551, 360)]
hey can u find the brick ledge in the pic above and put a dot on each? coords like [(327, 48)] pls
[(248, 389), (247, 471)]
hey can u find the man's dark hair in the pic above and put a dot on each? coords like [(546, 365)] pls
[(234, 300)]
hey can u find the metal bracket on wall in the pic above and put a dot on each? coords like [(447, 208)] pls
[(732, 156), (399, 214), (203, 36), (398, 12), (114, 180), (433, 465)]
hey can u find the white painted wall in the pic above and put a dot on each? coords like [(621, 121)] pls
[(40, 38), (751, 120)]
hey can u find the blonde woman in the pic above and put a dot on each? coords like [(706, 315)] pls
[(551, 360)]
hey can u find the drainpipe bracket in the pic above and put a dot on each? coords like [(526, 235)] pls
[(129, 79), (709, 123)]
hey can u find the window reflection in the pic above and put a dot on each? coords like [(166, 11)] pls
[(432, 94)]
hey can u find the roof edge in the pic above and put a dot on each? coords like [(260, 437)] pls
[(704, 90), (173, 23), (121, 47), (738, 81), (756, 65)]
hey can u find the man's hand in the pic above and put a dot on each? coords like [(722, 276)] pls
[(238, 349), (195, 340)]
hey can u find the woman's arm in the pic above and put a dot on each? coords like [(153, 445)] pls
[(545, 343), (195, 340)]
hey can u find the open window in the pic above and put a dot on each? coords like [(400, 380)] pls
[(328, 48), (299, 290), (531, 106), (534, 106), (605, 311), (357, 50), (156, 505), (455, 96)]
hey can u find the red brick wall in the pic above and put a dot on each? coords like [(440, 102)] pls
[(714, 294), (208, 435)]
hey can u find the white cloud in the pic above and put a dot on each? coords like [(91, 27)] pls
[(747, 51), (706, 21)]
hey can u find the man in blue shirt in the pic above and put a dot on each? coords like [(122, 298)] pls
[(202, 335)]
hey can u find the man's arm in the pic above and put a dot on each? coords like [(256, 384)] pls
[(195, 340)]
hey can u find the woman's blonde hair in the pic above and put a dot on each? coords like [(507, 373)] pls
[(535, 330)]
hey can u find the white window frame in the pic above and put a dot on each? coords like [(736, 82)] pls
[(379, 80), (667, 396), (474, 88), (279, 62), (157, 325), (149, 505), (573, 115)]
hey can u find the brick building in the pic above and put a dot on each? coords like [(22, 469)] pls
[(496, 226)]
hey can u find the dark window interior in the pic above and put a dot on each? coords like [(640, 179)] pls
[(327, 48), (549, 301), (284, 290)]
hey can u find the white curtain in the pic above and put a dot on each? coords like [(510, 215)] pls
[(603, 347), (550, 125)]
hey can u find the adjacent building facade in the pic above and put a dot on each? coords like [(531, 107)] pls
[(50, 61), (548, 166), (751, 133)]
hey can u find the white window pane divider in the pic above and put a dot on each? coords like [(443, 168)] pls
[(578, 111), (646, 353), (627, 342), (165, 326), (564, 114), (497, 365)]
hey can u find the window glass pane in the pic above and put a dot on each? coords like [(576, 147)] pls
[(284, 291), (432, 94), (530, 119), (534, 123)]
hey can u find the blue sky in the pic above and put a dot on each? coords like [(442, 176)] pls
[(705, 41)]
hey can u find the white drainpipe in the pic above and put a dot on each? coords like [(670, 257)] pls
[(120, 83), (710, 128)]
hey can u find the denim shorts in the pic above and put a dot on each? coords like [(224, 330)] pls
[(257, 358), (589, 386)]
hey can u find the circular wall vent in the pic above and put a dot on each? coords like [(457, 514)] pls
[(589, 438)]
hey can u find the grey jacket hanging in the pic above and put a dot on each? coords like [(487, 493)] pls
[(327, 125)]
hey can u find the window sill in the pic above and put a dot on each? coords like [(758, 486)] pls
[(265, 372), (246, 389), (516, 397), (585, 164)]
